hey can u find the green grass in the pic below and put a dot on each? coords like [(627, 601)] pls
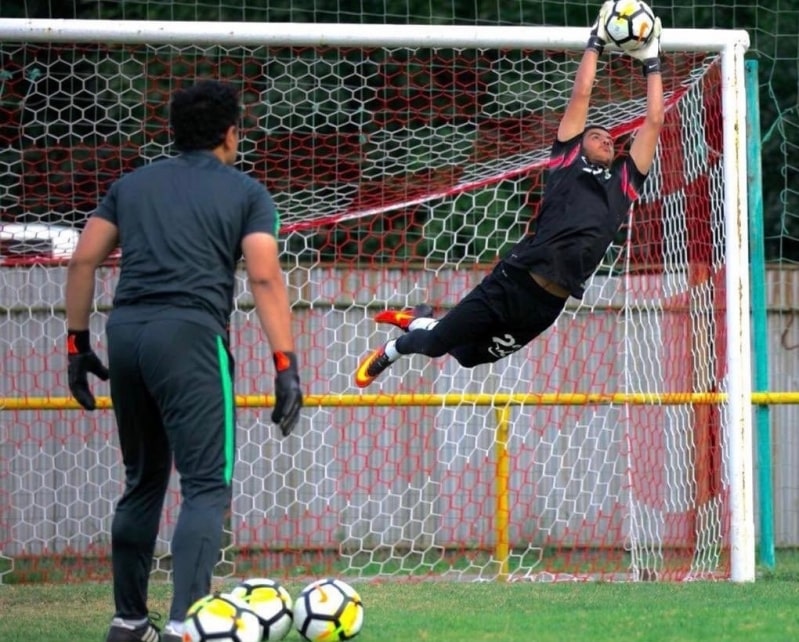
[(442, 611)]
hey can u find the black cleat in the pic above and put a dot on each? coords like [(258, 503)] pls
[(119, 631)]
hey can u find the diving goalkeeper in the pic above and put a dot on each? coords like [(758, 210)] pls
[(587, 197)]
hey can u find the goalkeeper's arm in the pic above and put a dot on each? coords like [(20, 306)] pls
[(642, 150), (574, 118)]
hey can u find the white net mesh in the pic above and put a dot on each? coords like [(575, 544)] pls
[(401, 174)]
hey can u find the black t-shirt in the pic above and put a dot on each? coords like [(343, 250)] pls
[(181, 222), (583, 207)]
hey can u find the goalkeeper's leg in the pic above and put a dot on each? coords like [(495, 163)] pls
[(498, 317), (404, 319), (467, 332), (506, 311), (509, 310), (468, 323), (428, 341)]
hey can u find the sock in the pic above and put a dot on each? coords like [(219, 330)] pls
[(391, 350), (128, 623), (175, 626), (423, 323)]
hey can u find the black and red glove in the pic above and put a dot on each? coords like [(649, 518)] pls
[(82, 361), (288, 395)]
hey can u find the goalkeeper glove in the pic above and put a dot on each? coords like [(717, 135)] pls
[(82, 361), (649, 52), (599, 36), (288, 396)]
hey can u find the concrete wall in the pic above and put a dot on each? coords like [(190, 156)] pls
[(365, 476)]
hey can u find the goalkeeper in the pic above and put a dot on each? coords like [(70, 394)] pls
[(182, 225), (586, 199)]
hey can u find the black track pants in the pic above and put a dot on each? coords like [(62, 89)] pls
[(501, 315), (172, 391)]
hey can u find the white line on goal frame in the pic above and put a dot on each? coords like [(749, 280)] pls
[(730, 44)]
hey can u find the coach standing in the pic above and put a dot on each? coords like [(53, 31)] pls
[(182, 225)]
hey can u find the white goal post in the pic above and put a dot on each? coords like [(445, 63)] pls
[(732, 392)]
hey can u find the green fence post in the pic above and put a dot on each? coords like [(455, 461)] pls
[(759, 315)]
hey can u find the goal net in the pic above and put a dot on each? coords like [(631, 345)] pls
[(404, 162)]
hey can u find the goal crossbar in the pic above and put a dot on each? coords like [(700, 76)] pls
[(338, 34)]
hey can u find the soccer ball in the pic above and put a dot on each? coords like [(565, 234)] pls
[(223, 618), (329, 610), (630, 24), (270, 602)]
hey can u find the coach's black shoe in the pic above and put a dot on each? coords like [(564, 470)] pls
[(402, 318), (168, 635), (121, 631)]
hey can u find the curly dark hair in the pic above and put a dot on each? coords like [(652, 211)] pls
[(201, 115)]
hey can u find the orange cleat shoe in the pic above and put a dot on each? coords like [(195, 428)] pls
[(372, 367), (402, 318)]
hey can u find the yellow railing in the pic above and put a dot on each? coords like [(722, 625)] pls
[(452, 399), (501, 402)]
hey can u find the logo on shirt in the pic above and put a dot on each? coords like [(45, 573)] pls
[(596, 170)]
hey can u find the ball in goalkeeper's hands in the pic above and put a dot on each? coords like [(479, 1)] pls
[(630, 24)]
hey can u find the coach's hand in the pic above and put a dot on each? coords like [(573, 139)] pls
[(598, 37), (82, 361), (288, 396)]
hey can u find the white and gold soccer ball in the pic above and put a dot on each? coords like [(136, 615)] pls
[(271, 602), (629, 24), (328, 610), (221, 617)]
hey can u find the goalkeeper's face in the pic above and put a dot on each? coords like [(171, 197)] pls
[(598, 147)]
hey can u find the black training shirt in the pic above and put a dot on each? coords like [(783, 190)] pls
[(181, 222), (582, 208)]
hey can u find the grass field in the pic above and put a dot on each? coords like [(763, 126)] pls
[(764, 611)]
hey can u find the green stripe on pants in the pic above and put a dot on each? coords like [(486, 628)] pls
[(228, 400)]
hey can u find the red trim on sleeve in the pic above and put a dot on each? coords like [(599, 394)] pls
[(565, 159), (626, 186)]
